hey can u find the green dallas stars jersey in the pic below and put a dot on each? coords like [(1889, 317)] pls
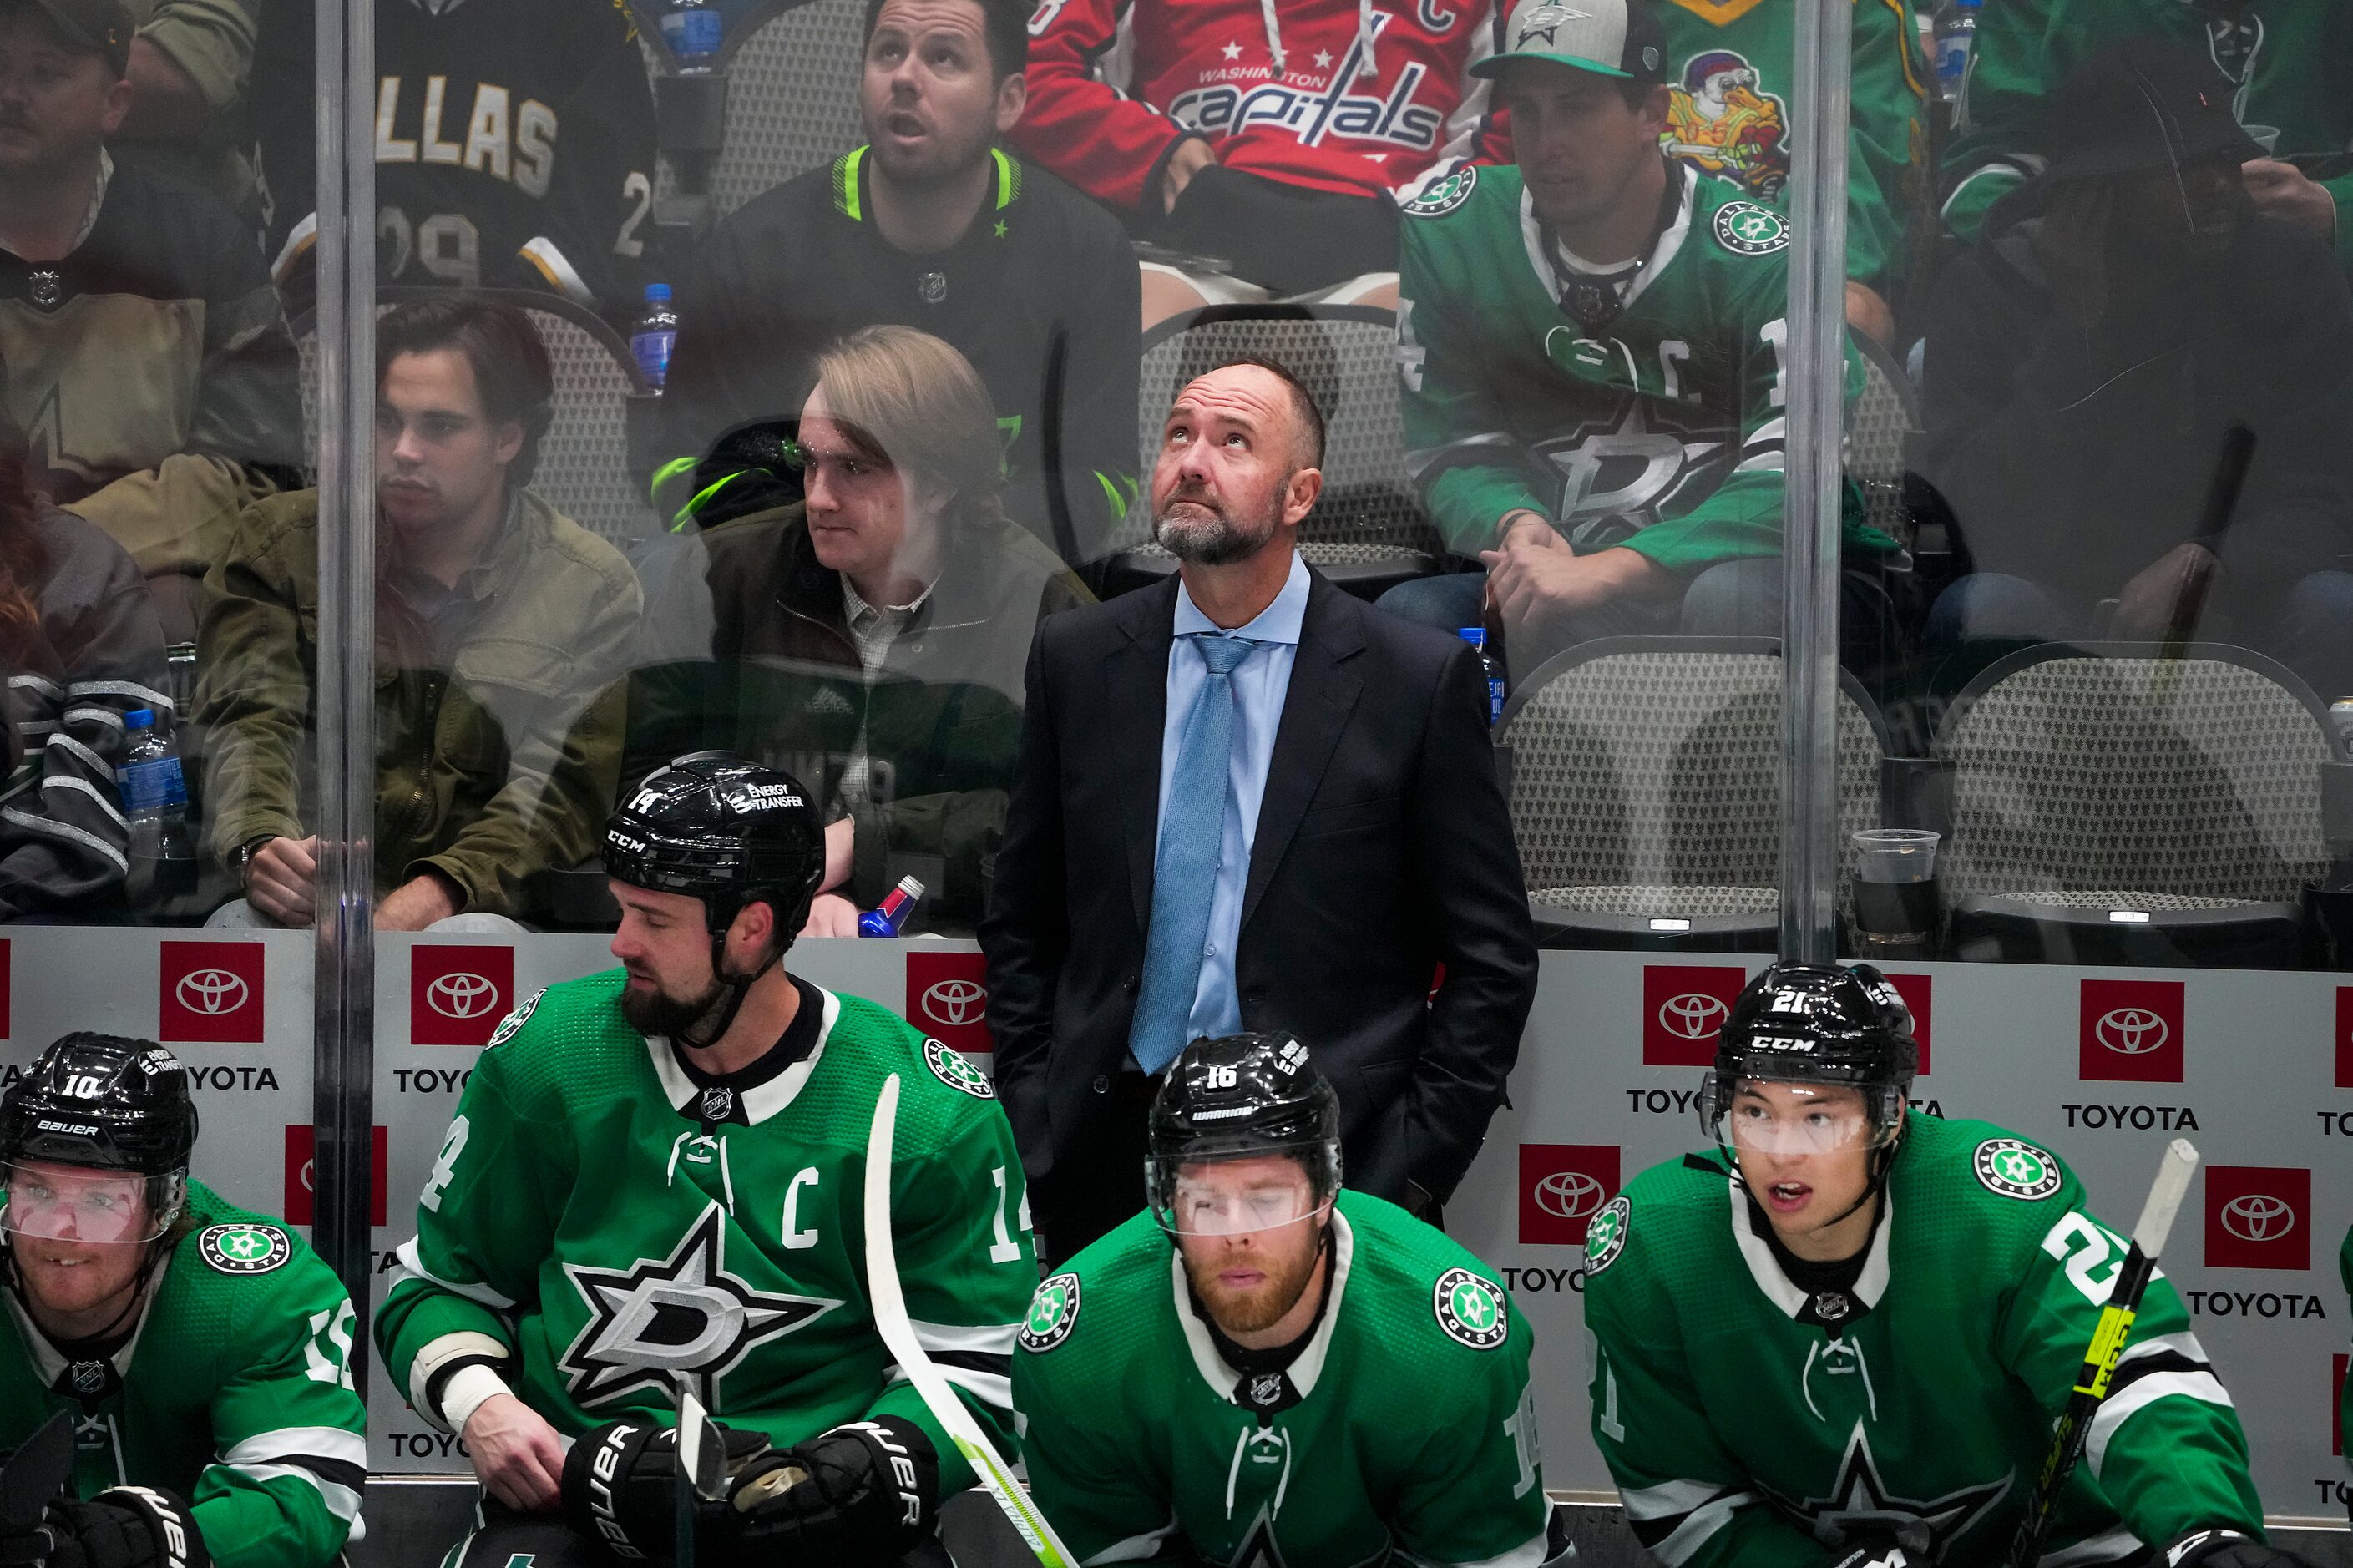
[(1742, 1430), (2288, 57), (233, 1392), (1663, 433), (588, 1230), (1733, 113), (1415, 1431)]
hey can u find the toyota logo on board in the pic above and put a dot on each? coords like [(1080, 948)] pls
[(1569, 1194), (1692, 1017), (461, 996), (2131, 1031), (1684, 1006), (952, 1004), (211, 992), (2257, 1216)]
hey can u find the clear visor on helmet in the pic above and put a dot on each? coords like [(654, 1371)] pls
[(1241, 1191), (79, 1203), (1791, 1116)]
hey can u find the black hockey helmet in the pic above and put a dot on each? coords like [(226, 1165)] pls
[(730, 832), (1235, 1097), (1820, 1025), (105, 1102)]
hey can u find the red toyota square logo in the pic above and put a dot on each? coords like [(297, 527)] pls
[(2336, 1406), (947, 998), (211, 992), (1684, 1009), (1563, 1186), (2258, 1216), (1918, 992), (2132, 1031), (2344, 1036), (457, 994), (301, 1197)]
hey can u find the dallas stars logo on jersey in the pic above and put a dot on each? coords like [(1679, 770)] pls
[(682, 1321), (244, 1249), (1860, 1504)]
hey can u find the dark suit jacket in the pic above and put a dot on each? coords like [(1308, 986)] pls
[(1383, 850)]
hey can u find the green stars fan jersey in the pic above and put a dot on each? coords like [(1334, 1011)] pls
[(234, 1391), (607, 1231), (1661, 430), (1415, 1431), (1747, 1422)]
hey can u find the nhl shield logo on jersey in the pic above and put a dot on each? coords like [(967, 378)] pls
[(1605, 1234), (511, 1025), (1471, 1309), (2016, 1169), (1745, 228), (1053, 1311), (244, 1249), (951, 1069), (1442, 196)]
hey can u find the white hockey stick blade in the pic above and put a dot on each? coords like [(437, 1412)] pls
[(701, 1450), (898, 1334), (2165, 1195)]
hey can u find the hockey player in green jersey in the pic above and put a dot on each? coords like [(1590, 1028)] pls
[(201, 1350), (1590, 344), (1306, 1377), (1842, 1336), (652, 1188), (2288, 59)]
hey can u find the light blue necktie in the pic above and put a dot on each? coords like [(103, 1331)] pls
[(1184, 866)]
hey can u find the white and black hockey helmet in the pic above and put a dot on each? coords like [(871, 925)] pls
[(108, 1105), (1236, 1098), (1816, 1025)]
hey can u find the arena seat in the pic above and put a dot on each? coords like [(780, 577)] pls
[(2111, 805), (792, 95), (1879, 427), (584, 465), (1643, 775), (1368, 532)]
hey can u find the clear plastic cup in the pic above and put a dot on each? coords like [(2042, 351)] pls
[(1891, 857)]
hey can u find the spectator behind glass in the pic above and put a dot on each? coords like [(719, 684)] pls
[(2285, 61), (2085, 357), (514, 148), (929, 226), (870, 642), (1590, 344), (1270, 139), (501, 630), (147, 356), (81, 644)]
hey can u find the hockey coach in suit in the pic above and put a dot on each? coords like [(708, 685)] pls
[(1247, 801)]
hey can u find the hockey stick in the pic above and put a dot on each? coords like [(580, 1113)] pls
[(2074, 1427), (899, 1337), (701, 1470), (37, 1472)]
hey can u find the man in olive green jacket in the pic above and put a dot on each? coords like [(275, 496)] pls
[(503, 631)]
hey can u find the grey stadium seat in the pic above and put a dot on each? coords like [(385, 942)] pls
[(1879, 427), (1370, 531), (2089, 780), (584, 462), (792, 96), (1644, 779)]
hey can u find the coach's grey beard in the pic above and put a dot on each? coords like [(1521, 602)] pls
[(1206, 537)]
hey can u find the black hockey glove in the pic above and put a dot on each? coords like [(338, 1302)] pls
[(1881, 1553), (860, 1492), (620, 1488), (2225, 1548), (125, 1527)]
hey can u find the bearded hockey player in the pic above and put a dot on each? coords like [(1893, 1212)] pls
[(1842, 1336), (1304, 1375), (200, 1349), (1591, 346), (652, 1188)]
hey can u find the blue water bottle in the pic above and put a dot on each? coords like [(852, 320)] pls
[(654, 336), (1956, 27), (889, 916), (691, 30), (1477, 637)]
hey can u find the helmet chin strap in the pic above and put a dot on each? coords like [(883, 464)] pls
[(712, 1026)]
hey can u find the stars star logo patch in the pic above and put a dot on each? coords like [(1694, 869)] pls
[(243, 1248), (682, 1321), (1859, 1504), (1745, 228), (2016, 1169)]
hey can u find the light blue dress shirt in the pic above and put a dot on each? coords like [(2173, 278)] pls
[(1262, 681)]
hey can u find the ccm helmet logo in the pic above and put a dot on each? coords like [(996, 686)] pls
[(954, 1003), (1569, 1194), (2258, 1216), (2131, 1031), (1692, 1017), (461, 996), (211, 992)]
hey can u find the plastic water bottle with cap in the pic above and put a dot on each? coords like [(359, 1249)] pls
[(1477, 637), (1957, 28), (889, 918), (654, 336), (691, 31), (155, 799)]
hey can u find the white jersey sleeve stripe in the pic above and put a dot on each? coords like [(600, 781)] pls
[(342, 1501), (1136, 1548), (2113, 1546), (1528, 1553), (1666, 1500), (988, 1386), (1694, 1532), (2121, 1407), (407, 1266), (981, 1338), (321, 1442)]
